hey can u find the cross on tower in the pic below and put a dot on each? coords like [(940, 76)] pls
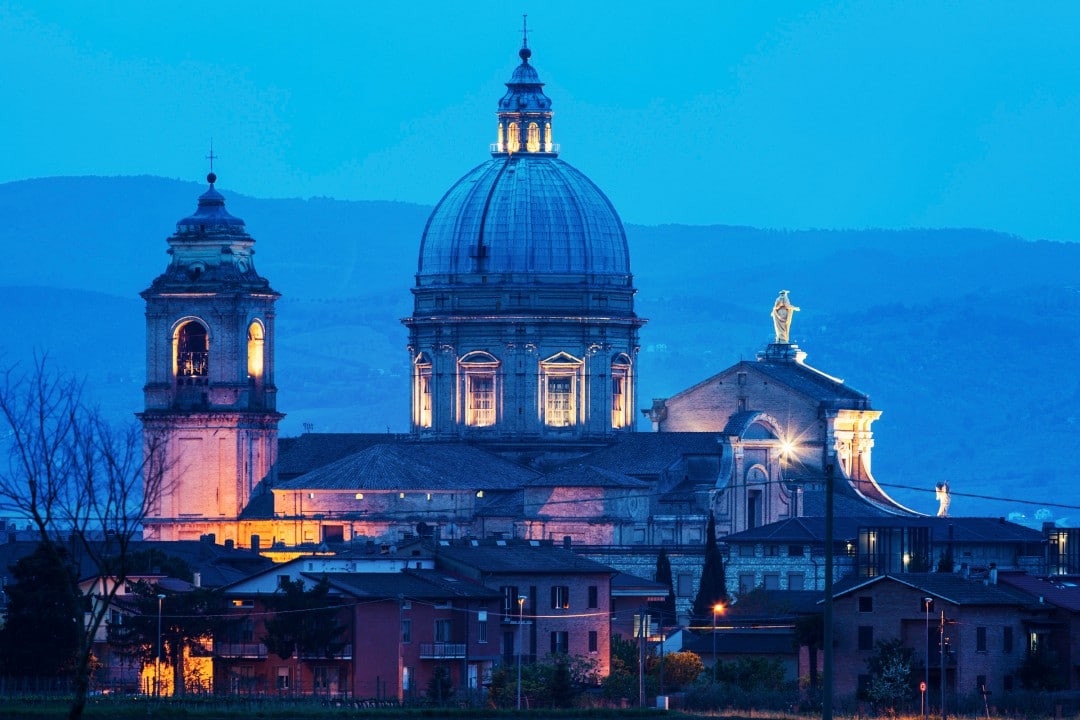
[(211, 157), (525, 30)]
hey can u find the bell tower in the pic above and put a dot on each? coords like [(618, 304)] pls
[(209, 398)]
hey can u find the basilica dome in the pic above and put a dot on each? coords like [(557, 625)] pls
[(524, 212)]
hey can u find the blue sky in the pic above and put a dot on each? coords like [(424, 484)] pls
[(794, 115)]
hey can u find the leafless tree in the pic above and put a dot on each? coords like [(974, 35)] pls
[(80, 482)]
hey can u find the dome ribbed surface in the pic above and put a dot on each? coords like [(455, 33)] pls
[(524, 214)]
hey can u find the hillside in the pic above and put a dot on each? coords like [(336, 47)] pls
[(964, 338)]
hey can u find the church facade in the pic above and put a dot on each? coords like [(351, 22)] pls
[(523, 346)]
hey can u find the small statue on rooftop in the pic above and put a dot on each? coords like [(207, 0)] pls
[(781, 317)]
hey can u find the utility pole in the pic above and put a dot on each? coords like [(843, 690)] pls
[(827, 675), (641, 656)]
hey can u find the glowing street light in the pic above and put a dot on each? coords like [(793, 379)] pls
[(717, 609), (521, 646), (157, 660)]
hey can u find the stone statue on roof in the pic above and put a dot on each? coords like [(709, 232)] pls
[(781, 317), (944, 498)]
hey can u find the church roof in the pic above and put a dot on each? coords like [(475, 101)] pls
[(524, 214), (584, 475), (301, 454), (811, 382), (415, 466), (650, 454)]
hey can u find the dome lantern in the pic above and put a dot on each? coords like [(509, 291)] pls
[(524, 113)]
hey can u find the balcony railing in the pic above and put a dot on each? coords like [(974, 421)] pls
[(239, 650), (440, 651), (344, 653)]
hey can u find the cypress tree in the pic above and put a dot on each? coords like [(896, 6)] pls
[(713, 587), (666, 607)]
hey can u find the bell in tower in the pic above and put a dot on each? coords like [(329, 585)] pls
[(209, 396)]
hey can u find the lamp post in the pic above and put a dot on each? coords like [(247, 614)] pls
[(927, 602), (521, 645), (717, 609), (157, 660)]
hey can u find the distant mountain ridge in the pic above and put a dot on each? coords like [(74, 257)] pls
[(965, 339)]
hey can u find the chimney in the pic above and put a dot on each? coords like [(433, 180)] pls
[(566, 542), (993, 573), (256, 543), (196, 579), (229, 544)]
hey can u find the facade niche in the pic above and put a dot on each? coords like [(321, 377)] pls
[(479, 386)]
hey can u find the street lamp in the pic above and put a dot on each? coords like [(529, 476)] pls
[(717, 609), (157, 660), (927, 604), (521, 646)]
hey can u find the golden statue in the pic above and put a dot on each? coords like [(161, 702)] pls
[(781, 317)]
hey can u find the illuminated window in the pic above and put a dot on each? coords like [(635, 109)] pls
[(422, 391), (480, 388), (532, 143), (621, 412), (256, 343), (547, 137), (560, 380), (192, 351), (513, 138)]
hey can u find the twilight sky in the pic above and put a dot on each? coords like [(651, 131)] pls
[(794, 115)]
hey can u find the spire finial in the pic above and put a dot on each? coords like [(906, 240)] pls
[(211, 178), (525, 53)]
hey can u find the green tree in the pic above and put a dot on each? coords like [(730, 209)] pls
[(188, 620), (751, 673), (440, 687), (713, 588), (1041, 670), (40, 637), (666, 607), (891, 670), (810, 633), (681, 669), (303, 622), (71, 475)]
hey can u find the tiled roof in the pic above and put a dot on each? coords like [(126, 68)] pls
[(410, 584), (519, 557), (650, 454), (1061, 593), (950, 587), (298, 455), (810, 382), (582, 475), (415, 466)]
